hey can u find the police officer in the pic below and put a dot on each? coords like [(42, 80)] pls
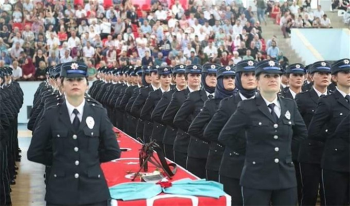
[(271, 125), (81, 138), (140, 99), (157, 115), (196, 149), (331, 110), (310, 150), (193, 74), (133, 120), (295, 74), (308, 79), (225, 87), (229, 167), (157, 132)]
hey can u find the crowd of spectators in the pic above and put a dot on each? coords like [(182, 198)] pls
[(36, 34)]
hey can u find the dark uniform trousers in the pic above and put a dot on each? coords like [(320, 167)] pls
[(268, 174), (169, 139), (310, 152), (332, 111), (196, 149)]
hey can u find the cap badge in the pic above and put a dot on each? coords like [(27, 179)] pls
[(166, 69), (297, 66), (250, 63), (194, 67), (346, 61), (271, 63), (181, 66), (157, 66), (228, 68), (323, 64), (130, 67), (213, 66), (74, 66)]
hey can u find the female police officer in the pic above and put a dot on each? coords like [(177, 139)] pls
[(271, 124), (82, 137)]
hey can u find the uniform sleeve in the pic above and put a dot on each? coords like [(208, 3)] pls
[(109, 147), (160, 109), (137, 105), (229, 135), (171, 110), (182, 117), (300, 105), (343, 129), (299, 127), (318, 121), (37, 151), (216, 123), (131, 100), (199, 123), (147, 108)]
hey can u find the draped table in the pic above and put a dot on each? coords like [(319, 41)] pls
[(116, 172)]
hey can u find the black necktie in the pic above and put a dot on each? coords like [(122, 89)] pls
[(347, 97), (322, 95), (210, 96), (273, 113), (76, 121)]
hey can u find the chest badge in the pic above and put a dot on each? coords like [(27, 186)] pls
[(287, 115), (90, 122)]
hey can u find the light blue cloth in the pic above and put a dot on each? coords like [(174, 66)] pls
[(144, 190), (135, 191), (196, 188)]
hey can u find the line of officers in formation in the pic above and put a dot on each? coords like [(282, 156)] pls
[(11, 101), (188, 111)]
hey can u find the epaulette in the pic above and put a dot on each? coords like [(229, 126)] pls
[(93, 102)]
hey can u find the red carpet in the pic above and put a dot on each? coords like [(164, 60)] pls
[(116, 172)]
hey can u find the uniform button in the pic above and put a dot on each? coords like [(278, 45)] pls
[(75, 136), (326, 130), (55, 175), (76, 175), (313, 110), (260, 123), (76, 149), (277, 160), (336, 149), (341, 114), (275, 137), (253, 163), (77, 163), (58, 135), (98, 176), (93, 105), (92, 133), (290, 122), (277, 149), (275, 125), (215, 150)]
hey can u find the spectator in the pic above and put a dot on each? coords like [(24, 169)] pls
[(5, 34), (111, 55), (53, 41), (88, 51), (66, 57), (62, 35), (248, 55), (73, 40), (299, 23), (273, 51), (91, 70), (53, 58), (39, 57), (17, 15), (15, 39), (294, 8), (194, 59), (40, 73), (224, 59), (318, 12), (177, 9), (27, 34), (261, 8), (276, 11), (16, 51), (6, 58), (147, 59), (284, 24), (146, 28), (159, 60), (3, 46), (28, 70), (17, 71), (325, 22)]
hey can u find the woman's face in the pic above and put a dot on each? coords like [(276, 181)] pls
[(229, 82)]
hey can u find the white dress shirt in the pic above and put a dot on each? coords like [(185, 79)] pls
[(80, 109), (319, 93), (277, 108)]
